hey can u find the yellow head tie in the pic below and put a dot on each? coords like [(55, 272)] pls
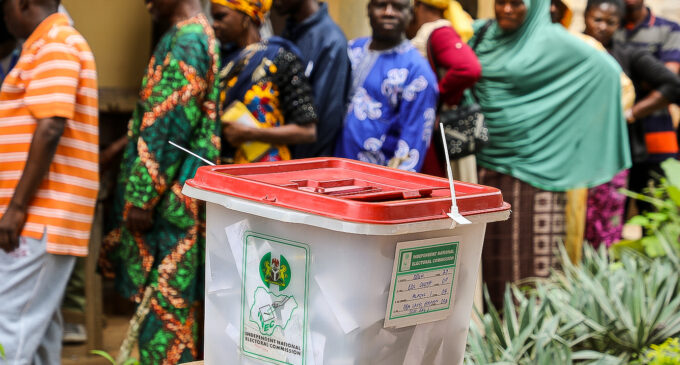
[(453, 12), (255, 9), (439, 4)]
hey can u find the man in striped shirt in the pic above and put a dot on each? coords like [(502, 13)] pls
[(660, 37), (49, 176)]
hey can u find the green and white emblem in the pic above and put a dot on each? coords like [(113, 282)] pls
[(275, 271)]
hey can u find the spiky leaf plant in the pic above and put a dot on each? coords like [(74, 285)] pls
[(525, 334), (622, 308)]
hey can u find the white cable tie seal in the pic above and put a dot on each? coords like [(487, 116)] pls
[(191, 153), (455, 213)]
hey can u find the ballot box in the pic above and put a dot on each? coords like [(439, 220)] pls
[(333, 261)]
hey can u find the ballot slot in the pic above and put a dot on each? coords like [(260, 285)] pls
[(359, 190)]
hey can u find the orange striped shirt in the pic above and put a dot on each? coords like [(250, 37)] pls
[(54, 77)]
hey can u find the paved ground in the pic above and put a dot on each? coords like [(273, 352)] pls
[(114, 332)]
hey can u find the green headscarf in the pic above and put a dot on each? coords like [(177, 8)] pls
[(552, 103)]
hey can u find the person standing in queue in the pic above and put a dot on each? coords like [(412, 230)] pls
[(267, 82), (551, 102), (394, 94), (156, 247), (457, 69), (49, 178), (324, 51)]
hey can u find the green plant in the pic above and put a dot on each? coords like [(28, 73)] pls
[(132, 334), (2, 352), (108, 357), (599, 312), (665, 197), (532, 332), (667, 353), (622, 307), (613, 308), (527, 334)]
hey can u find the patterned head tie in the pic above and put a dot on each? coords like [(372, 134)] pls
[(255, 9)]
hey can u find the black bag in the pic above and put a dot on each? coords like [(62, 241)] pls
[(464, 127)]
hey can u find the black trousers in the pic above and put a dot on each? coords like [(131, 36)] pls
[(639, 179)]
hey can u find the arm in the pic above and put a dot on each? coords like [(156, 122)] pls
[(653, 102), (110, 152), (674, 67), (463, 68), (416, 116), (40, 155), (237, 134), (296, 103), (666, 85)]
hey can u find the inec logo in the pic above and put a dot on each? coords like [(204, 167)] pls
[(275, 271)]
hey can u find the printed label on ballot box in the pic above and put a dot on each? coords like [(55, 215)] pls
[(422, 283), (274, 299)]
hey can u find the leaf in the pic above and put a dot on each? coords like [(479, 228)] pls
[(671, 169), (618, 247), (667, 247), (2, 352), (590, 355), (639, 220), (674, 194), (104, 354), (509, 314), (656, 216), (651, 200), (653, 247)]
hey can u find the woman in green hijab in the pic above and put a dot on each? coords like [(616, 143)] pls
[(553, 109)]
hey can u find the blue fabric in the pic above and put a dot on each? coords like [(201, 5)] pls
[(658, 35), (244, 84), (324, 49), (228, 53), (13, 59), (392, 108), (32, 285)]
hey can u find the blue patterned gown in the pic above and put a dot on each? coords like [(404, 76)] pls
[(392, 107)]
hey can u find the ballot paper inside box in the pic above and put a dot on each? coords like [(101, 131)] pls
[(331, 261)]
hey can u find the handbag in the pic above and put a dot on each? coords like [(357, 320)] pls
[(636, 139), (464, 127)]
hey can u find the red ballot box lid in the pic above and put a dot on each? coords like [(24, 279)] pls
[(348, 190)]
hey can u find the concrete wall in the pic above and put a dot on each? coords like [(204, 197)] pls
[(351, 16), (119, 33)]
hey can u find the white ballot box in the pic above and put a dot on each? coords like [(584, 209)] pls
[(332, 261)]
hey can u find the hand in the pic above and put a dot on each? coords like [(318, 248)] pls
[(110, 153), (139, 220), (11, 225), (236, 133)]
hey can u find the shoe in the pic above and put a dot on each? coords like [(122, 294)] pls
[(74, 333)]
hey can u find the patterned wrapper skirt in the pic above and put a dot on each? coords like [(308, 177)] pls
[(525, 245), (606, 209)]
